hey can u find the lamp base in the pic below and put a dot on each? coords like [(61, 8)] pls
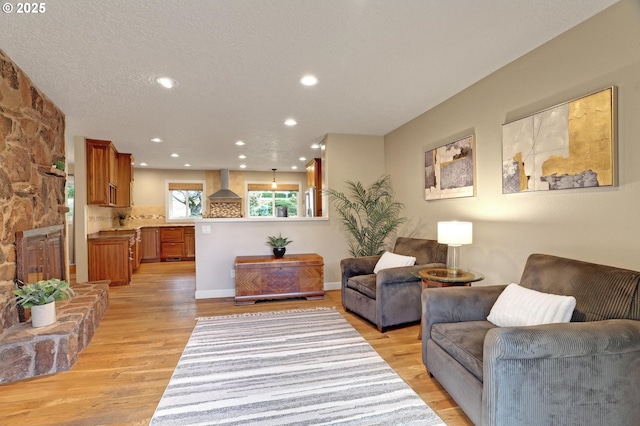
[(453, 260)]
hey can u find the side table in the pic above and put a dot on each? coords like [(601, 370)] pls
[(442, 277)]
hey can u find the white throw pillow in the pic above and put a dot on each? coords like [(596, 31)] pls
[(392, 260), (518, 306)]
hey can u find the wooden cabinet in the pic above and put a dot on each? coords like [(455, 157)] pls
[(111, 258), (124, 180), (150, 244), (190, 243), (107, 184), (314, 180), (265, 277), (171, 243)]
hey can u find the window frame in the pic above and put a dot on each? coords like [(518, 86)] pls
[(169, 199)]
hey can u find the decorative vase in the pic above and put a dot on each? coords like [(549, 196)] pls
[(43, 315), (278, 252)]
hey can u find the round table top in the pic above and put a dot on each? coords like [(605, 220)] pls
[(445, 275)]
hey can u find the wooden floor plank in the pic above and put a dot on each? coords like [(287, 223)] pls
[(120, 377)]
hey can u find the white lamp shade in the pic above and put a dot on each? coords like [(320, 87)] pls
[(455, 233)]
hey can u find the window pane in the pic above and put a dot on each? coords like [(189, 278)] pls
[(263, 204), (185, 204)]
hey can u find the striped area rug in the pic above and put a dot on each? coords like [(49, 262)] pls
[(307, 367)]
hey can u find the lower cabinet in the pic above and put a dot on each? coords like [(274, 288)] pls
[(111, 258), (150, 245), (177, 243)]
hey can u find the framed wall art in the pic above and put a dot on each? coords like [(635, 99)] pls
[(449, 170), (571, 145)]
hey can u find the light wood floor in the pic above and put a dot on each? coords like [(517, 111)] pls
[(120, 377)]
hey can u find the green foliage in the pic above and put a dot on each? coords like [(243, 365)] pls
[(278, 241), (43, 292), (59, 165), (369, 215)]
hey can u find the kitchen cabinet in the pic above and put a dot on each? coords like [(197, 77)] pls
[(111, 258), (107, 184), (190, 243), (150, 244), (314, 180)]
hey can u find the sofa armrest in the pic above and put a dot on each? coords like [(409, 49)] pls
[(456, 304), (403, 274), (354, 266), (578, 373)]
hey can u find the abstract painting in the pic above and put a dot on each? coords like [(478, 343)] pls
[(449, 171), (572, 145)]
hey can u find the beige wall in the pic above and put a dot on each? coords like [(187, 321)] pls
[(599, 225)]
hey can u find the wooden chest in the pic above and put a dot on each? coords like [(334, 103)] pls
[(265, 277)]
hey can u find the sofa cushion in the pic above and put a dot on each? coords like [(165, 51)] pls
[(392, 260), (519, 306), (365, 284), (464, 342)]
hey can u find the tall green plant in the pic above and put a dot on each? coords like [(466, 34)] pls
[(368, 214)]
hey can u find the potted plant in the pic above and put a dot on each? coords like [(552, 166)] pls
[(369, 215), (41, 297), (278, 243), (121, 215)]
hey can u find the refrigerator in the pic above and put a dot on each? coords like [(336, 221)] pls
[(310, 202)]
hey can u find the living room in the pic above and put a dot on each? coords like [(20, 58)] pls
[(595, 225)]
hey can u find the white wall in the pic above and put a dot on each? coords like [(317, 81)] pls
[(598, 225)]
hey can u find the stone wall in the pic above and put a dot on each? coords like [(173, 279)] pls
[(31, 140)]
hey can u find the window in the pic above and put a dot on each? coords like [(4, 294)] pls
[(184, 199), (264, 201)]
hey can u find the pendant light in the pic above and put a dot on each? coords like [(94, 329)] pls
[(274, 185)]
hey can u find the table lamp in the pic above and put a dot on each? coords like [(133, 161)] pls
[(454, 234)]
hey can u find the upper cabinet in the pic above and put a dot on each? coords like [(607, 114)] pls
[(314, 180), (109, 175)]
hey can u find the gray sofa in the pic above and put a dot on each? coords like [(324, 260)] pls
[(392, 296), (585, 372)]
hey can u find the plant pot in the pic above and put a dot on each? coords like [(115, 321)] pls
[(43, 315), (278, 252)]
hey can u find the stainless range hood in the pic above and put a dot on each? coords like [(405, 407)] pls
[(224, 192)]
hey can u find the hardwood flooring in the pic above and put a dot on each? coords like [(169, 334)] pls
[(120, 377)]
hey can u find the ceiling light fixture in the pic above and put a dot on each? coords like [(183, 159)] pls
[(166, 82), (294, 167), (239, 143), (174, 155), (309, 80), (274, 185), (143, 164), (156, 140), (187, 165), (315, 146), (242, 156), (302, 158), (243, 166), (290, 122)]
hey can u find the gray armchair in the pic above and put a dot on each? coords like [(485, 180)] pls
[(585, 372), (392, 296)]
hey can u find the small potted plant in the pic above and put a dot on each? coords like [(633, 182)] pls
[(41, 297), (121, 215), (278, 243)]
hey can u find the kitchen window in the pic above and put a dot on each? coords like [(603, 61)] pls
[(267, 202), (184, 200)]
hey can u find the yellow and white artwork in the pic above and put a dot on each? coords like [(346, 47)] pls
[(571, 145)]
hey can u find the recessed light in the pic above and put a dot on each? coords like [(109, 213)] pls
[(167, 82), (294, 167), (239, 143), (290, 122), (156, 140), (302, 158), (187, 165), (309, 80), (174, 155), (243, 166), (242, 156), (315, 146), (143, 164)]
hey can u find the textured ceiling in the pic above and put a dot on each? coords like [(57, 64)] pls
[(238, 63)]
